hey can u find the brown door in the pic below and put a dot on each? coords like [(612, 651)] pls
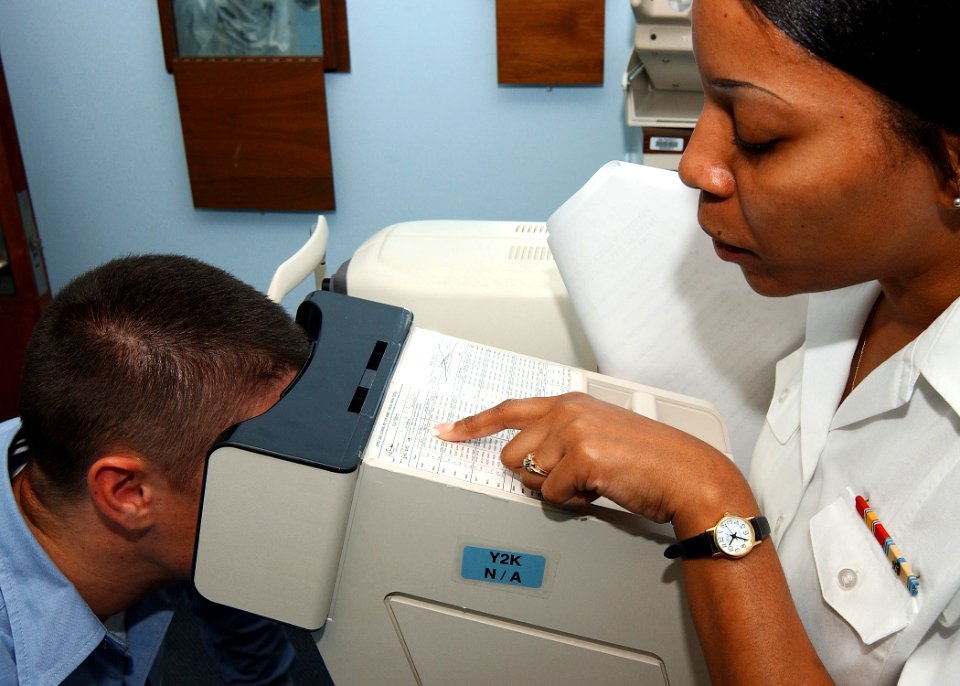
[(24, 288)]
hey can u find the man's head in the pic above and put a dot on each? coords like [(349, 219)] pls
[(152, 357)]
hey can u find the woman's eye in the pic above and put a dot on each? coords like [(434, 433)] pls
[(752, 148)]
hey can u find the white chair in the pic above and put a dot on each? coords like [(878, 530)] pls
[(311, 257)]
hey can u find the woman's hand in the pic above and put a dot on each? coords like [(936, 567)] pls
[(590, 448)]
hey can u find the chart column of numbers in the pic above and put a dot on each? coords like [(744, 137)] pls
[(463, 378)]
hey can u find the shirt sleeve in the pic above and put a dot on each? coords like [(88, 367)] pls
[(246, 648)]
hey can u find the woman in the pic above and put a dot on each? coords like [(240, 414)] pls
[(825, 166)]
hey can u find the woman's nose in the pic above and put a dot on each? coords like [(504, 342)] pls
[(703, 166)]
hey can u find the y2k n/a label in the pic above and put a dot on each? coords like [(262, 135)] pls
[(498, 566)]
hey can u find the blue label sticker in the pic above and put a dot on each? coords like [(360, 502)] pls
[(498, 566)]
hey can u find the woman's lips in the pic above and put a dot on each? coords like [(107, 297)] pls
[(729, 253)]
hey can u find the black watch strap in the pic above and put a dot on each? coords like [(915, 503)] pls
[(761, 528), (703, 545)]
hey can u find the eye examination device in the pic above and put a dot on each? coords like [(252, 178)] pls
[(417, 561), (461, 276)]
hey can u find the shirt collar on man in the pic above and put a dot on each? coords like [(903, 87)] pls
[(40, 602)]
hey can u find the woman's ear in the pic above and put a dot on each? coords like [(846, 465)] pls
[(122, 491), (951, 187)]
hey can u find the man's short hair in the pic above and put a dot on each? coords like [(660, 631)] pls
[(153, 355)]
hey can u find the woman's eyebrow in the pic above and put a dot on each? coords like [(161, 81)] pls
[(734, 84)]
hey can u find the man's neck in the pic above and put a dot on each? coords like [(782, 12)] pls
[(100, 562)]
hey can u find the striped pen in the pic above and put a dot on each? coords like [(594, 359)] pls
[(890, 549)]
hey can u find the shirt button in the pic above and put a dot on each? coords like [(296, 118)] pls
[(847, 578), (778, 524), (784, 394)]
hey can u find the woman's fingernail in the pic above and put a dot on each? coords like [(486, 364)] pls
[(440, 429)]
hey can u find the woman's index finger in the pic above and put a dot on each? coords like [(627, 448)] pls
[(510, 414)]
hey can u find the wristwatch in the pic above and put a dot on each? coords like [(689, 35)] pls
[(733, 536)]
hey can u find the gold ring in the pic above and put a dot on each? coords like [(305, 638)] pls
[(530, 464)]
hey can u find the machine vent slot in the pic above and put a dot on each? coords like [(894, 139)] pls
[(527, 229), (369, 375), (358, 397), (377, 355), (529, 253)]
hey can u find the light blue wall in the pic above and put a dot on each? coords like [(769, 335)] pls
[(420, 130)]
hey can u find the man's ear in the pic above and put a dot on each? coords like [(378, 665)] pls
[(122, 491)]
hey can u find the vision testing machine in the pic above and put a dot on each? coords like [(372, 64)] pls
[(423, 562), (416, 561)]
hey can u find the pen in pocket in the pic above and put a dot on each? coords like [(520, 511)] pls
[(900, 566)]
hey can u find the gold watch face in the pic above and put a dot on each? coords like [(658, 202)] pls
[(734, 536)]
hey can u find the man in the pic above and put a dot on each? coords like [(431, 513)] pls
[(133, 371)]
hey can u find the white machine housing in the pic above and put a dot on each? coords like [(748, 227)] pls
[(376, 551), (461, 276)]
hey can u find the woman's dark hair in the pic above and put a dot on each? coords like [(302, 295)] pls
[(903, 50)]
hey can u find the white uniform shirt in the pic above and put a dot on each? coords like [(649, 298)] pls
[(896, 441)]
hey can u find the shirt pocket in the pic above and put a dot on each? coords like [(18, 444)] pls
[(856, 579), (783, 415)]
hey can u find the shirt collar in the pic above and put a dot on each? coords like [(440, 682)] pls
[(834, 320), (938, 355), (934, 354), (47, 615)]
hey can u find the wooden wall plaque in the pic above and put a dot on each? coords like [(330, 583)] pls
[(550, 42), (254, 125), (255, 133)]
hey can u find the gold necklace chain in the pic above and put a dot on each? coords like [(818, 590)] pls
[(856, 370), (863, 340)]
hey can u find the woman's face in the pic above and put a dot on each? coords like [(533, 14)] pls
[(803, 186)]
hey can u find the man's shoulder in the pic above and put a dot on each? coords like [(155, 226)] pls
[(42, 646), (8, 429), (46, 629)]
